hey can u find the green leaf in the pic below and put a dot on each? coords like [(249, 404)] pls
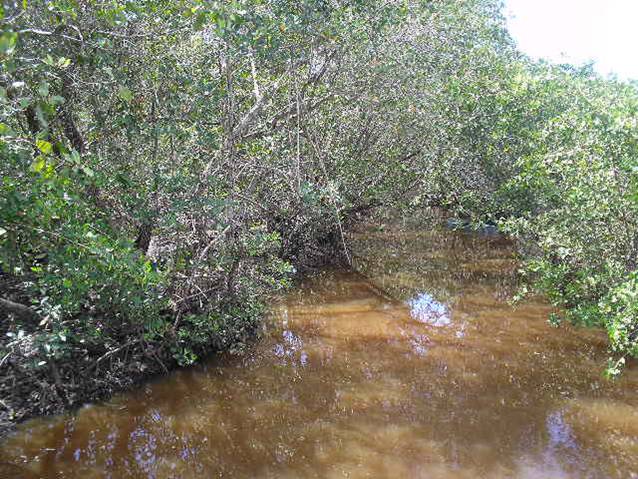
[(44, 146), (39, 164), (200, 21), (5, 130), (39, 113), (43, 89), (125, 94), (2, 231), (73, 156), (8, 42), (64, 62)]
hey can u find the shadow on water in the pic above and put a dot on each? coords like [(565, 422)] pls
[(418, 369)]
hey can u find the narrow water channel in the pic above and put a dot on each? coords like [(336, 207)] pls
[(418, 367)]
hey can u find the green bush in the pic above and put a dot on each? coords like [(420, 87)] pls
[(620, 310)]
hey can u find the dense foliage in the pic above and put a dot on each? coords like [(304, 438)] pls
[(557, 154), (166, 164)]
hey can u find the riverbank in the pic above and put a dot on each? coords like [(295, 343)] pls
[(73, 368)]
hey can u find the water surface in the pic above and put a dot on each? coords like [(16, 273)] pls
[(417, 367)]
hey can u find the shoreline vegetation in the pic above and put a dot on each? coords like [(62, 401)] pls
[(167, 165)]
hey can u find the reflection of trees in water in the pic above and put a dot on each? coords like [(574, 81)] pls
[(442, 263), (426, 406)]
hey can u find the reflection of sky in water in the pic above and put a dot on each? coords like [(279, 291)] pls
[(562, 443), (425, 309), (290, 345), (143, 445), (560, 451), (560, 434), (420, 344)]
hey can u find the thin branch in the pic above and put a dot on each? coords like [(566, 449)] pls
[(36, 31)]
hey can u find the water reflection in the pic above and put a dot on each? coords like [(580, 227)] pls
[(425, 309), (290, 345), (420, 369)]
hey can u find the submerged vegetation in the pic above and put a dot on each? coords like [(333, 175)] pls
[(167, 164)]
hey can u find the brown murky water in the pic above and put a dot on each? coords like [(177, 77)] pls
[(419, 369)]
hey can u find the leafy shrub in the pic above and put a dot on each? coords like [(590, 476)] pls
[(620, 310)]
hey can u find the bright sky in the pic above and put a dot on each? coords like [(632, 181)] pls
[(576, 31)]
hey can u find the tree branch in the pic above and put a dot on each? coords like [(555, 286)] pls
[(20, 310)]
